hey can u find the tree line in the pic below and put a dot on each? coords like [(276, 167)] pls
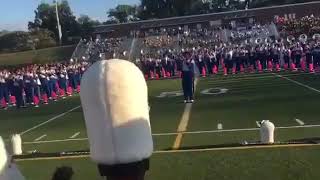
[(43, 31)]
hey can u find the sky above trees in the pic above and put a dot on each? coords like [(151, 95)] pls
[(15, 14)]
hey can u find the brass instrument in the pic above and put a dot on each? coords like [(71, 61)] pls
[(303, 38), (291, 39), (316, 37), (268, 40), (258, 41)]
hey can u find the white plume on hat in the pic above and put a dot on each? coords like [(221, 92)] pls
[(8, 170), (114, 97), (3, 157)]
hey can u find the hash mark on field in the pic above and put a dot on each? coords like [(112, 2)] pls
[(75, 135), (184, 122), (219, 126), (296, 82), (56, 141), (258, 123), (48, 121), (300, 122), (41, 137)]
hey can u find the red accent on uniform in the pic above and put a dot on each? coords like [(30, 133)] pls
[(62, 93), (203, 72), (45, 98), (78, 88), (293, 67), (270, 65), (13, 100), (54, 95), (215, 69), (69, 90), (277, 67), (311, 68), (251, 68), (259, 66), (168, 74), (303, 65), (163, 73), (3, 103), (241, 68), (234, 70), (35, 100)]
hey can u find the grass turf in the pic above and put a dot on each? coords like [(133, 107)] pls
[(41, 56), (263, 164), (250, 98)]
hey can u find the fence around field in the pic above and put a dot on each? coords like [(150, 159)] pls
[(41, 56)]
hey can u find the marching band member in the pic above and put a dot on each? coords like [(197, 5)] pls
[(188, 79), (18, 90)]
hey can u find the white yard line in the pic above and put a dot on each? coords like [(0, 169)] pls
[(186, 132), (300, 122), (184, 151), (74, 135), (184, 121), (235, 148), (298, 83), (258, 124), (41, 137), (235, 80), (55, 141), (182, 126), (251, 77), (48, 121), (219, 126)]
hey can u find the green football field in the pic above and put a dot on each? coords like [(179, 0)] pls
[(227, 110)]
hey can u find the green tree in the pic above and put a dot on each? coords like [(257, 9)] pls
[(162, 8), (45, 18), (264, 3), (87, 25), (42, 38), (123, 13), (15, 41)]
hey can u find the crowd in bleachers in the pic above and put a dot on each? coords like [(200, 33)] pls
[(254, 31), (39, 84), (306, 25), (107, 46)]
